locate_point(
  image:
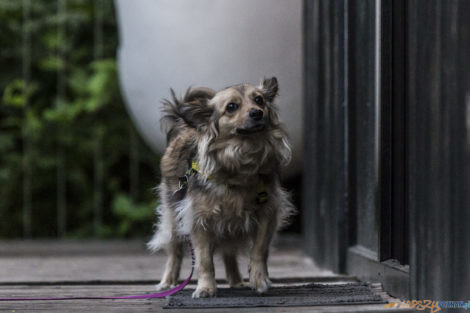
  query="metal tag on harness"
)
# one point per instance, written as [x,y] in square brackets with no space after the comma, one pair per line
[179,194]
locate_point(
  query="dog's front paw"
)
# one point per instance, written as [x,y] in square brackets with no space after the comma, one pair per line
[163,286]
[205,291]
[259,279]
[261,283]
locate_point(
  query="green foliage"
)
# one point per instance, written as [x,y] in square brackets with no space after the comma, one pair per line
[18,93]
[133,217]
[62,114]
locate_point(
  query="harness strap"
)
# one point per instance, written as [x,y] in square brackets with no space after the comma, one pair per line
[261,198]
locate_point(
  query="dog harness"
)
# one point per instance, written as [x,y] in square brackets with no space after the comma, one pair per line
[179,194]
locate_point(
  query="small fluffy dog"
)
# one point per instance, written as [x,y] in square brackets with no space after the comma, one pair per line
[220,182]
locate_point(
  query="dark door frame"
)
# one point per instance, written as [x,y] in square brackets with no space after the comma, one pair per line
[424,98]
[393,207]
[388,265]
[329,94]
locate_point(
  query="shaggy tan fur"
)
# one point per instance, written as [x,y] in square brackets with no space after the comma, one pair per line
[236,139]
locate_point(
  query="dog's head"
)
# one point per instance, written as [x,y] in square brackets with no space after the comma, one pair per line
[240,110]
[237,120]
[244,110]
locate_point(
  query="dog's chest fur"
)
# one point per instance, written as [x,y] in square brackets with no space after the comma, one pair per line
[223,209]
[221,198]
[225,203]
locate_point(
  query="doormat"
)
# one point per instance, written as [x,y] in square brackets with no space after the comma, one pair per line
[303,295]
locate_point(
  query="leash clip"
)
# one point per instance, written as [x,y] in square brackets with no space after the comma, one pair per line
[179,194]
[183,181]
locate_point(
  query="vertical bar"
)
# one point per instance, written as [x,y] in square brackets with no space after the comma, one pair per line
[61,94]
[27,176]
[340,98]
[324,104]
[363,124]
[399,210]
[393,243]
[346,166]
[98,139]
[311,197]
[351,124]
[385,126]
[378,116]
[461,169]
[133,164]
[326,93]
[412,144]
[98,30]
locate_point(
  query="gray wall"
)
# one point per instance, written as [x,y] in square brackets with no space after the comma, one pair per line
[213,43]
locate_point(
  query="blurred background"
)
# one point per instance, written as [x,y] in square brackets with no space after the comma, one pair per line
[72,162]
[81,83]
[379,88]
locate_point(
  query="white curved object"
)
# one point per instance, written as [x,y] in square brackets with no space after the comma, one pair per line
[213,43]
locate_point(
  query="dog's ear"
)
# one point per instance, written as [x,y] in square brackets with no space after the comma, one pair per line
[195,109]
[270,88]
[192,110]
[199,93]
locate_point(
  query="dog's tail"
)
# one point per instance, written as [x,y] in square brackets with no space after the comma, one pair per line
[189,111]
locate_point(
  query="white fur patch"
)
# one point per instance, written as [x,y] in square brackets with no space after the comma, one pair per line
[184,216]
[165,232]
[285,207]
[206,163]
[163,235]
[286,152]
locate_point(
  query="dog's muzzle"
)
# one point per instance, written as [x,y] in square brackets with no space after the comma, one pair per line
[251,129]
[254,124]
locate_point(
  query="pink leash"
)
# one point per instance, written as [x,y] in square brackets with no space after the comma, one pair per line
[142,296]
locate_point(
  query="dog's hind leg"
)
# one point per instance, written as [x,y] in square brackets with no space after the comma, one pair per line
[231,269]
[173,265]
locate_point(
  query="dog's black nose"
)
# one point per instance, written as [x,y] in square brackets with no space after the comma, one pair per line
[256,114]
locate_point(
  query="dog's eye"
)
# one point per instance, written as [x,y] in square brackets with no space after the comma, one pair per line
[259,100]
[231,107]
